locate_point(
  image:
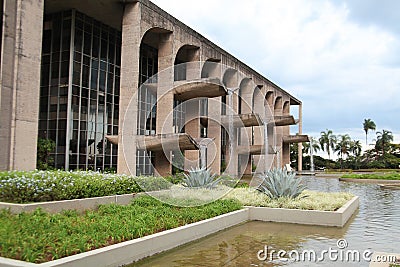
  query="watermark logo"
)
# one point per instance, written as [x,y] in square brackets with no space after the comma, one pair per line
[340,253]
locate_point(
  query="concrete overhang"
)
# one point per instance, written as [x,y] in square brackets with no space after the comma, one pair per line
[167,142]
[109,12]
[242,120]
[289,139]
[161,142]
[210,87]
[284,120]
[251,150]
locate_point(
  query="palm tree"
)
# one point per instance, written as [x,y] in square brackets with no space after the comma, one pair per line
[343,146]
[384,138]
[368,125]
[327,141]
[355,147]
[311,147]
[313,142]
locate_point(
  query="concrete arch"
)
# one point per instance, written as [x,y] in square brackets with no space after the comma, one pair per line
[230,78]
[245,95]
[258,102]
[286,108]
[278,105]
[187,66]
[211,68]
[155,35]
[269,99]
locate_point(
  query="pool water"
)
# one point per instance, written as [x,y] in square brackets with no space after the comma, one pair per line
[375,227]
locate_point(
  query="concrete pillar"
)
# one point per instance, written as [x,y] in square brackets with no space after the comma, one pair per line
[192,127]
[165,99]
[20,84]
[286,132]
[130,52]
[246,132]
[214,131]
[300,148]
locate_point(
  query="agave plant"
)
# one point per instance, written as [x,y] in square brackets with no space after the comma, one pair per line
[278,183]
[200,178]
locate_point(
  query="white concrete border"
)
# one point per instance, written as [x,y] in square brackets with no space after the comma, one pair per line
[130,251]
[73,204]
[312,217]
[134,250]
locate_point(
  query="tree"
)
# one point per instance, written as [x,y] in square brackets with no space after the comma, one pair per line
[343,146]
[355,148]
[368,125]
[44,148]
[327,141]
[315,146]
[312,147]
[383,141]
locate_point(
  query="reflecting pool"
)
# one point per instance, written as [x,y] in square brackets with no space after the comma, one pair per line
[375,227]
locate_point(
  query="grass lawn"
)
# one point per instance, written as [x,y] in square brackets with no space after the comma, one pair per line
[381,176]
[39,237]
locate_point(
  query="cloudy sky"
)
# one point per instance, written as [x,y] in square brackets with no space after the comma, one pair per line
[341,58]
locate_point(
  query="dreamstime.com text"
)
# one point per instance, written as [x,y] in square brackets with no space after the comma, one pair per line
[340,253]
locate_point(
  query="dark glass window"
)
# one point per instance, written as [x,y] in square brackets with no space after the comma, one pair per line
[88,148]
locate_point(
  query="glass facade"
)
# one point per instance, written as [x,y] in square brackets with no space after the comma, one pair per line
[147,105]
[79,102]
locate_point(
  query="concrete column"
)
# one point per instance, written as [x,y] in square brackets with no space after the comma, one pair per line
[285,147]
[165,99]
[192,127]
[20,83]
[300,148]
[214,131]
[130,52]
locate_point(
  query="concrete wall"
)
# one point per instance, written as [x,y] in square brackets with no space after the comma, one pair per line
[20,83]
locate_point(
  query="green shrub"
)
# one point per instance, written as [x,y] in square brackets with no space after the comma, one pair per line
[44,148]
[279,183]
[381,176]
[38,186]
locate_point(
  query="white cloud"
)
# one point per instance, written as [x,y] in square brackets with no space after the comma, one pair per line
[342,65]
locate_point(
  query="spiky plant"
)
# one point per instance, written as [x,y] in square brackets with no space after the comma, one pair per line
[200,178]
[279,183]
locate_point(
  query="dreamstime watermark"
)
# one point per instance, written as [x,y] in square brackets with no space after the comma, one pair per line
[340,253]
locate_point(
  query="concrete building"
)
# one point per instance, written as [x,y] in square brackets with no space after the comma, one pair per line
[123,84]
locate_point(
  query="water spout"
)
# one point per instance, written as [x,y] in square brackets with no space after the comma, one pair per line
[231,132]
[266,146]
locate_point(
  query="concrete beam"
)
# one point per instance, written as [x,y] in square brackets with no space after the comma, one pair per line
[295,139]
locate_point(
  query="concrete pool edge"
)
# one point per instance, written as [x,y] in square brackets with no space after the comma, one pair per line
[309,217]
[369,181]
[71,204]
[134,250]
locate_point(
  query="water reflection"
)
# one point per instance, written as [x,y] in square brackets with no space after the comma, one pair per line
[376,226]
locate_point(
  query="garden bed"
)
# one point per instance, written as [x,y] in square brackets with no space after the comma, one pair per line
[136,249]
[40,237]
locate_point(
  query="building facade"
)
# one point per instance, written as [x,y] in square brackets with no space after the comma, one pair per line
[121,84]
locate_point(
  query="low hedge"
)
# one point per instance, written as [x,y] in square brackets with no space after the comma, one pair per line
[379,176]
[39,186]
